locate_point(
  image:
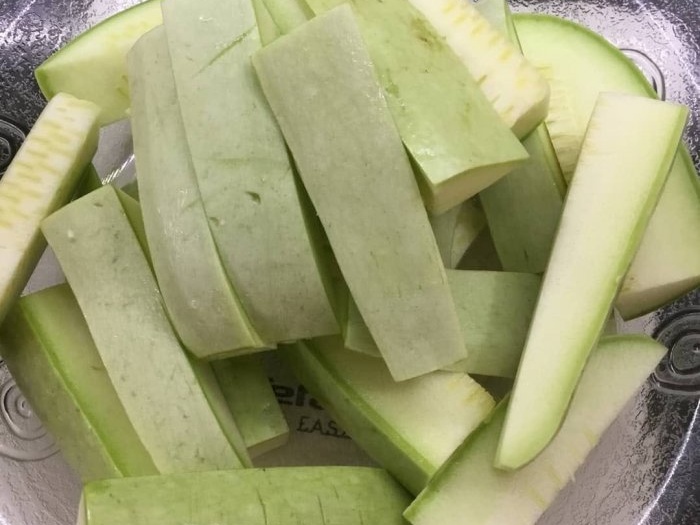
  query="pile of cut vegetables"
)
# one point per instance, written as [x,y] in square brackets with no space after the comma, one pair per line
[401,199]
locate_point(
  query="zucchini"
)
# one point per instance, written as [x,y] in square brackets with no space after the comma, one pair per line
[158,386]
[249,396]
[495,310]
[667,264]
[524,207]
[456,230]
[457,142]
[409,428]
[202,306]
[42,177]
[244,172]
[468,490]
[515,88]
[90,181]
[288,14]
[387,253]
[48,348]
[620,174]
[267,27]
[481,255]
[93,65]
[312,496]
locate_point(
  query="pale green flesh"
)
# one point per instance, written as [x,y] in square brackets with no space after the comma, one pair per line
[356,335]
[90,181]
[454,136]
[667,264]
[243,170]
[48,348]
[516,89]
[249,396]
[203,308]
[481,255]
[468,490]
[494,308]
[202,371]
[387,254]
[410,428]
[456,230]
[524,207]
[597,238]
[154,380]
[43,176]
[131,189]
[470,222]
[220,408]
[132,209]
[288,14]
[267,27]
[610,326]
[204,374]
[301,495]
[565,132]
[93,66]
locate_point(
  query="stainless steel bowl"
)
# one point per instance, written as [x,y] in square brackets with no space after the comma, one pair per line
[645,471]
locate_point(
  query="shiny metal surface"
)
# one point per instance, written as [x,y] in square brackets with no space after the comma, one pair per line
[645,471]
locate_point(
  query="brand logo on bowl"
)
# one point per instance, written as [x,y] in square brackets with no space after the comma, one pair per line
[11,138]
[22,436]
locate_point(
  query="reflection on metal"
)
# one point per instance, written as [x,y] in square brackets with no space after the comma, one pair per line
[650,70]
[22,436]
[11,138]
[679,371]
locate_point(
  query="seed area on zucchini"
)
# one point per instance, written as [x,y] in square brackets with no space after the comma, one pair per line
[42,177]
